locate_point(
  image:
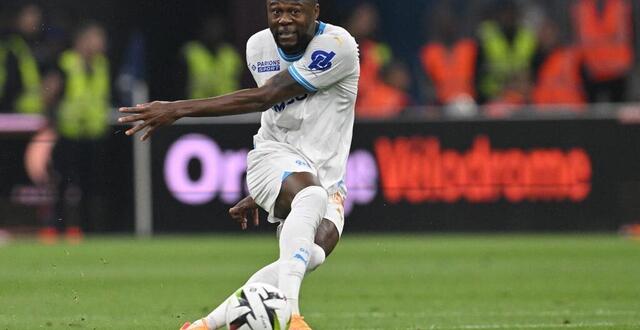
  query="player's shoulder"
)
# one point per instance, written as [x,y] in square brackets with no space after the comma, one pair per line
[337,36]
[335,30]
[260,39]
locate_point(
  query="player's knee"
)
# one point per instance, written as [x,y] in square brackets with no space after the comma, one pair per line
[317,258]
[314,198]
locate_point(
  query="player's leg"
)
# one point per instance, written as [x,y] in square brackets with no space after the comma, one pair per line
[330,229]
[297,197]
[217,318]
[307,201]
[303,203]
[326,239]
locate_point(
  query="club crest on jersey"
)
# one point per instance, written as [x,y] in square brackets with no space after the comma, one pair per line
[266,66]
[321,60]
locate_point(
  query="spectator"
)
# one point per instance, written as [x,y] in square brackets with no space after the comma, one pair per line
[212,66]
[558,78]
[391,94]
[449,60]
[20,86]
[82,117]
[605,36]
[506,56]
[374,55]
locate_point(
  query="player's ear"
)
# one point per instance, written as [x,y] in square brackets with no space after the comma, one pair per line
[316,11]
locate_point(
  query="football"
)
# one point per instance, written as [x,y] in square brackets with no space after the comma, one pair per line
[258,306]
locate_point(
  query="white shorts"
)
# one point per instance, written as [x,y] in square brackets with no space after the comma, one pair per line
[269,165]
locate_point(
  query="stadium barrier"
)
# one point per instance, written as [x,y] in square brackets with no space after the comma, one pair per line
[526,172]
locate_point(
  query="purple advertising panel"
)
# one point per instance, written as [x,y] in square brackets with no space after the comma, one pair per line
[462,176]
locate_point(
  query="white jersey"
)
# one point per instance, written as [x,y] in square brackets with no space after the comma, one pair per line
[319,124]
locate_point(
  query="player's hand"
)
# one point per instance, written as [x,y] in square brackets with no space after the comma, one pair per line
[246,208]
[150,116]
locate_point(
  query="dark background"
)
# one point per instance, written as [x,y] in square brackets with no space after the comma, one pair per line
[166,25]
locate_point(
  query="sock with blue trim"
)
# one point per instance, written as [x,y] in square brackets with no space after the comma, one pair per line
[296,241]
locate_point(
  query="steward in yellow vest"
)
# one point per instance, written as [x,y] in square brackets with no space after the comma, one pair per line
[213,67]
[82,123]
[507,51]
[83,112]
[29,101]
[20,87]
[3,73]
[212,73]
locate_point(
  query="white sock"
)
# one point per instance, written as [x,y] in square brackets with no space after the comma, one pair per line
[218,317]
[317,258]
[296,241]
[268,274]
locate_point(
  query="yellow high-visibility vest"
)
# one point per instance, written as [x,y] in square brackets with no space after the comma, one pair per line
[3,70]
[504,60]
[84,110]
[30,100]
[212,74]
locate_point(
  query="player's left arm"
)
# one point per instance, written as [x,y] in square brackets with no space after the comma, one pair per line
[151,116]
[328,60]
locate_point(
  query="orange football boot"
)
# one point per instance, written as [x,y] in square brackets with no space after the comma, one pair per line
[297,323]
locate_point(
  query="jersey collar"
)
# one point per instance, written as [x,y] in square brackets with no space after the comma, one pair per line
[292,58]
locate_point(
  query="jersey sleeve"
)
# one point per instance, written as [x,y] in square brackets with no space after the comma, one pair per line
[328,60]
[251,46]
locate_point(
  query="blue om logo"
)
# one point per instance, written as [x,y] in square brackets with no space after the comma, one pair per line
[321,60]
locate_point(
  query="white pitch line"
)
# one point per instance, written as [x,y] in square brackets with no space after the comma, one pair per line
[476,313]
[516,326]
[533,326]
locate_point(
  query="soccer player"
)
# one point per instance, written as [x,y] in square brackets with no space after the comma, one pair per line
[307,75]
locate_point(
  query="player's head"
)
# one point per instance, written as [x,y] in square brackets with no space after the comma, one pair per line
[292,22]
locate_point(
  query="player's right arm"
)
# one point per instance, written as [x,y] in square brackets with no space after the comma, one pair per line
[151,116]
[245,208]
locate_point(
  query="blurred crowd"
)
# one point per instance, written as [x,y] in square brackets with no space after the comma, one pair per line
[498,54]
[557,55]
[65,77]
[495,53]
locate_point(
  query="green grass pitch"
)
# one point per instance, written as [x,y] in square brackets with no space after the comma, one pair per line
[371,282]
